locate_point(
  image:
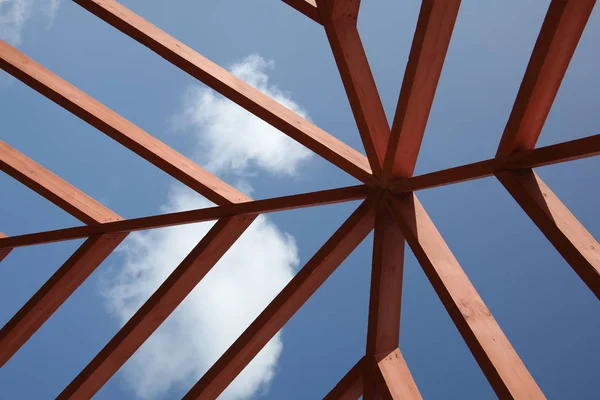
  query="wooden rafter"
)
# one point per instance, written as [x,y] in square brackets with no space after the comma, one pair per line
[395,379]
[306,7]
[425,62]
[274,204]
[557,223]
[493,352]
[235,89]
[285,304]
[4,251]
[350,387]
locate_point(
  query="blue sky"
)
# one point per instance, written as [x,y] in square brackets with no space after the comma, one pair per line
[548,314]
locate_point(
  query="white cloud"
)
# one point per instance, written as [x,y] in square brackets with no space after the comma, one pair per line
[15,13]
[244,281]
[232,139]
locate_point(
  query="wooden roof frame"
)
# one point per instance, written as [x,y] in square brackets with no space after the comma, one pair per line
[389,206]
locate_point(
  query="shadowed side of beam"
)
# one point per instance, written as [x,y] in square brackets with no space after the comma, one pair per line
[350,387]
[116,127]
[306,7]
[285,304]
[557,223]
[330,196]
[539,157]
[493,352]
[235,89]
[4,251]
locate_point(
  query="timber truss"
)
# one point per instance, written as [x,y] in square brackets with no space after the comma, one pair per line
[390,206]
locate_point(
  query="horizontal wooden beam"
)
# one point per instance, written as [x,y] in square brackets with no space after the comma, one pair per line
[396,381]
[323,197]
[493,352]
[425,62]
[285,304]
[116,127]
[554,48]
[157,308]
[55,292]
[52,187]
[557,223]
[358,81]
[4,251]
[306,7]
[350,387]
[539,157]
[238,91]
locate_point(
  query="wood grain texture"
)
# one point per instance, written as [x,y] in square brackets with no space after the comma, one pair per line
[295,201]
[425,62]
[157,308]
[554,48]
[493,352]
[238,91]
[285,304]
[557,223]
[350,387]
[397,382]
[116,127]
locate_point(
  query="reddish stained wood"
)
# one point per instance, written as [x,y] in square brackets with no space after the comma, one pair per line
[493,352]
[396,381]
[158,307]
[559,225]
[425,62]
[350,387]
[323,197]
[55,292]
[4,251]
[238,91]
[359,84]
[52,187]
[346,10]
[539,157]
[554,48]
[116,127]
[306,7]
[285,304]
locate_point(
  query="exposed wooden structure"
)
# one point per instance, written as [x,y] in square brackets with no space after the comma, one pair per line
[389,206]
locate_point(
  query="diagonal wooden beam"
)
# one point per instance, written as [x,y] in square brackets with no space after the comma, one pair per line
[350,387]
[395,380]
[554,48]
[306,7]
[557,223]
[158,307]
[349,54]
[538,157]
[4,251]
[285,304]
[425,62]
[323,197]
[493,352]
[238,91]
[116,127]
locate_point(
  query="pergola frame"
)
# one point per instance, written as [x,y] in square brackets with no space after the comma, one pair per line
[389,206]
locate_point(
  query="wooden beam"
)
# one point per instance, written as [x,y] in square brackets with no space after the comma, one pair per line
[425,62]
[350,387]
[158,307]
[116,127]
[385,294]
[238,91]
[557,223]
[555,46]
[306,7]
[539,157]
[52,187]
[4,251]
[285,304]
[358,80]
[493,352]
[55,292]
[323,197]
[338,10]
[396,381]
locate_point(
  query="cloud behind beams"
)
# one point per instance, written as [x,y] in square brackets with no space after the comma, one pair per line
[227,140]
[15,13]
